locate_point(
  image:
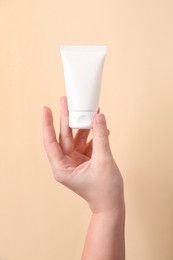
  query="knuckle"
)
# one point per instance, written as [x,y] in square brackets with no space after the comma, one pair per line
[57,177]
[60,177]
[104,133]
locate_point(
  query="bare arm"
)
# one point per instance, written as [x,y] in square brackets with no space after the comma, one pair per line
[89,169]
[105,238]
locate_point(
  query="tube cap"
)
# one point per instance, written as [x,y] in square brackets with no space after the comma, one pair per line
[81,119]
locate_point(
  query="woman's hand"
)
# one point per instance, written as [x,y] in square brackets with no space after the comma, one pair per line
[87,168]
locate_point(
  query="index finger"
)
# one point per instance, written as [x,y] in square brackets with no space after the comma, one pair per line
[52,147]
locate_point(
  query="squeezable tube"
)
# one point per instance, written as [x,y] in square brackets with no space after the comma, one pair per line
[83,67]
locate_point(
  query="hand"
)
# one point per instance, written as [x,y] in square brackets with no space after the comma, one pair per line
[87,168]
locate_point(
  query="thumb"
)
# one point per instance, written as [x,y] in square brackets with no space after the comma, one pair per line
[100,136]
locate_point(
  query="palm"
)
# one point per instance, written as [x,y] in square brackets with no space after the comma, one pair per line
[74,160]
[69,152]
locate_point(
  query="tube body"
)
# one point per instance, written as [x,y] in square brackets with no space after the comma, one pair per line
[83,67]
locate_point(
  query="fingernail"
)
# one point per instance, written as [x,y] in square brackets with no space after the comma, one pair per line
[100,119]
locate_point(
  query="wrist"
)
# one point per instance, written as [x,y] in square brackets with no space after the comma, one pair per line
[118,211]
[110,205]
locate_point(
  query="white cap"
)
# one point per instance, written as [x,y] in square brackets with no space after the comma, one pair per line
[81,119]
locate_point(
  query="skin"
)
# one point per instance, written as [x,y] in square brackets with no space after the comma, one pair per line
[89,169]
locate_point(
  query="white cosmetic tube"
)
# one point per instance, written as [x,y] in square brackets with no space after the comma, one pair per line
[83,67]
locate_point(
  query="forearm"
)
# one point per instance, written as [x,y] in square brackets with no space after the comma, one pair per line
[105,238]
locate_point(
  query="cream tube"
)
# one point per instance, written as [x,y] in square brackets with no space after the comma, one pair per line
[83,66]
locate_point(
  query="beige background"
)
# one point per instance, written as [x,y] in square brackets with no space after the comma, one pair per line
[39,218]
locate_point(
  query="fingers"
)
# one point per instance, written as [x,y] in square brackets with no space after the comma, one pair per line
[81,140]
[88,150]
[52,147]
[66,135]
[101,146]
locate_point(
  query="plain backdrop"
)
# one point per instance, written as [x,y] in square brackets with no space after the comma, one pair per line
[39,218]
